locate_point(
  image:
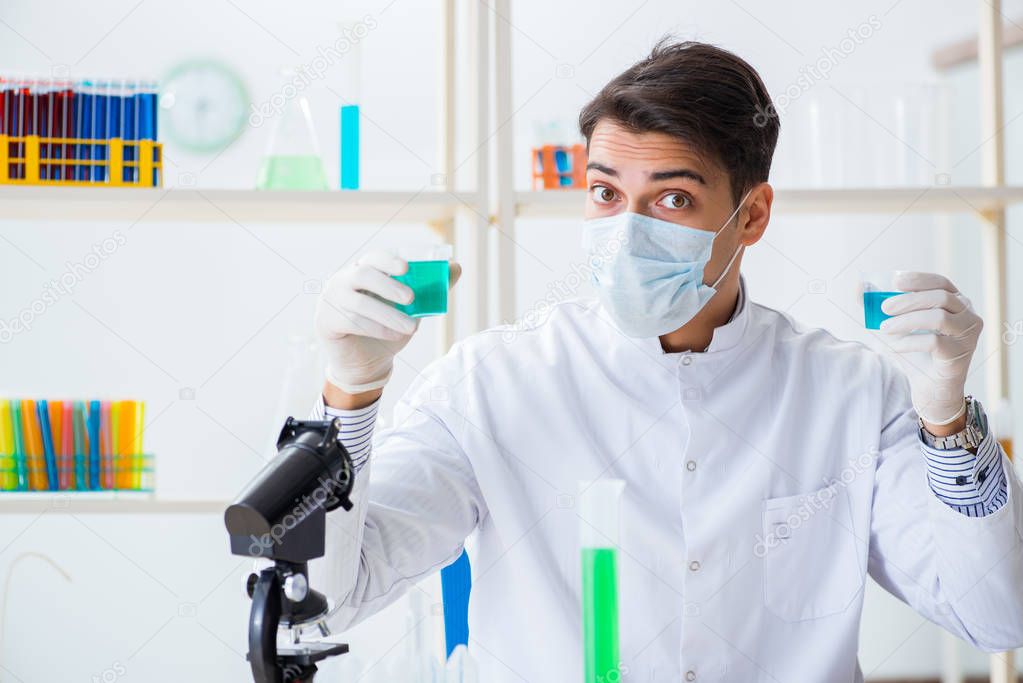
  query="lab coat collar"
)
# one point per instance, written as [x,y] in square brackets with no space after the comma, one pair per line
[728,335]
[724,340]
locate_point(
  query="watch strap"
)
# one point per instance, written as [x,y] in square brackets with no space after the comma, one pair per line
[968,438]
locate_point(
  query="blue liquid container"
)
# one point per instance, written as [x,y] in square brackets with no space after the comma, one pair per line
[350,147]
[873,316]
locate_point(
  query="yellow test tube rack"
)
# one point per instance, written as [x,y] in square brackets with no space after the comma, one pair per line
[37,163]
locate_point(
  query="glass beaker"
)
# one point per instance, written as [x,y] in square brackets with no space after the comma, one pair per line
[876,287]
[292,160]
[429,269]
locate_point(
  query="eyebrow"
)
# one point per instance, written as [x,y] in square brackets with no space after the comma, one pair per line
[657,175]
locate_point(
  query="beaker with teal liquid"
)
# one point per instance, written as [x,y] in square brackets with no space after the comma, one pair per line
[599,521]
[876,287]
[429,270]
[292,159]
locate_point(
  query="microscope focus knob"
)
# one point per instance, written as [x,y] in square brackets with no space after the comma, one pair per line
[296,587]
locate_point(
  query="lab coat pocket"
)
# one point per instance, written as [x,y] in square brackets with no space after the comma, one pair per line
[810,553]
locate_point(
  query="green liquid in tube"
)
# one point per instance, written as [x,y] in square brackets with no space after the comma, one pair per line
[429,282]
[600,615]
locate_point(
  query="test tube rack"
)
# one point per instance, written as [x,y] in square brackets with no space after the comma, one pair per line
[35,160]
[559,167]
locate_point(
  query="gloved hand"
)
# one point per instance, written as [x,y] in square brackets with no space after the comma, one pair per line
[937,357]
[358,328]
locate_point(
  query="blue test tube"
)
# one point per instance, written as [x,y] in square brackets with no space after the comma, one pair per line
[350,147]
[129,129]
[147,116]
[100,129]
[351,89]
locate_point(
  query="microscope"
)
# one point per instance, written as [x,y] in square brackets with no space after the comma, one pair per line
[281,516]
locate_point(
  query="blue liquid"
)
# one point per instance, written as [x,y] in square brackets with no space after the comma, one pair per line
[872,314]
[350,147]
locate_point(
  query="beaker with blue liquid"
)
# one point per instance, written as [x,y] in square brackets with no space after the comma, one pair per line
[876,287]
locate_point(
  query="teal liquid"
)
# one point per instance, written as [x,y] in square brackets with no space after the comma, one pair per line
[291,172]
[429,283]
[600,615]
[350,147]
[872,314]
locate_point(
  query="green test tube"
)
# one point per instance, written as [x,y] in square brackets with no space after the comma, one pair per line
[599,522]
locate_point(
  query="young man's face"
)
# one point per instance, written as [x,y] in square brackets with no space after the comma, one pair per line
[656,175]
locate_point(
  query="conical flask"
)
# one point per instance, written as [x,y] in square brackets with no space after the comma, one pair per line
[292,160]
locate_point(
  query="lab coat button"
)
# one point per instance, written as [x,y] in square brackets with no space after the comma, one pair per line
[691,465]
[690,675]
[694,566]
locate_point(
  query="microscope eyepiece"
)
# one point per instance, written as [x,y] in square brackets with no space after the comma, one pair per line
[311,472]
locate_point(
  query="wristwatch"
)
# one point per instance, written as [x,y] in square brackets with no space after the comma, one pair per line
[969,438]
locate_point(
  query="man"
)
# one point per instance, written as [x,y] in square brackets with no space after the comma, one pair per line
[768,467]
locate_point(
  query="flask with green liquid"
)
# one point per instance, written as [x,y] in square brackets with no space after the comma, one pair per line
[292,159]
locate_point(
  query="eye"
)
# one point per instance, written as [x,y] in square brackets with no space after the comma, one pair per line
[675,200]
[602,194]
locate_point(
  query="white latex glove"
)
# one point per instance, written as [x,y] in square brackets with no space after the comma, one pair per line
[934,332]
[360,332]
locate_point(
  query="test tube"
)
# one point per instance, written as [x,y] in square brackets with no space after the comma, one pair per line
[48,121]
[149,123]
[23,125]
[86,119]
[351,99]
[600,513]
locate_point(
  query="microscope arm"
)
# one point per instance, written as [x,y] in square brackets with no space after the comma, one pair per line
[263,621]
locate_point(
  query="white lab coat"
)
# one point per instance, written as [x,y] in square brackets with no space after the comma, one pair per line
[727,571]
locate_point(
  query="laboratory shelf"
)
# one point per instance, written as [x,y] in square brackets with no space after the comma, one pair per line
[427,206]
[230,206]
[104,502]
[930,199]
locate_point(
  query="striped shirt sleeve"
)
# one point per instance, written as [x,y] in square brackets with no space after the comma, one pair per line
[973,484]
[356,428]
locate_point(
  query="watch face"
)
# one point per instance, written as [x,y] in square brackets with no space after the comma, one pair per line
[204,105]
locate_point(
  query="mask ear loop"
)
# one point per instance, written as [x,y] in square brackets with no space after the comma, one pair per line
[738,249]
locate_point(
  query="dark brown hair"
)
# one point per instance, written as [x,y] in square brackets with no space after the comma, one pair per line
[701,94]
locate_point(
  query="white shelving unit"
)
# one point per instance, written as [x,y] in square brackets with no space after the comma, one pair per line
[220,206]
[102,502]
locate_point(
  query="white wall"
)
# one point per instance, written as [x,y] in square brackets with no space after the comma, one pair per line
[212,307]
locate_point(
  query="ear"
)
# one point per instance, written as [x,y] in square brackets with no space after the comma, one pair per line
[757,213]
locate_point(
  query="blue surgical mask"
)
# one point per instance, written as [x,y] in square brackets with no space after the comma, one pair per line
[648,273]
